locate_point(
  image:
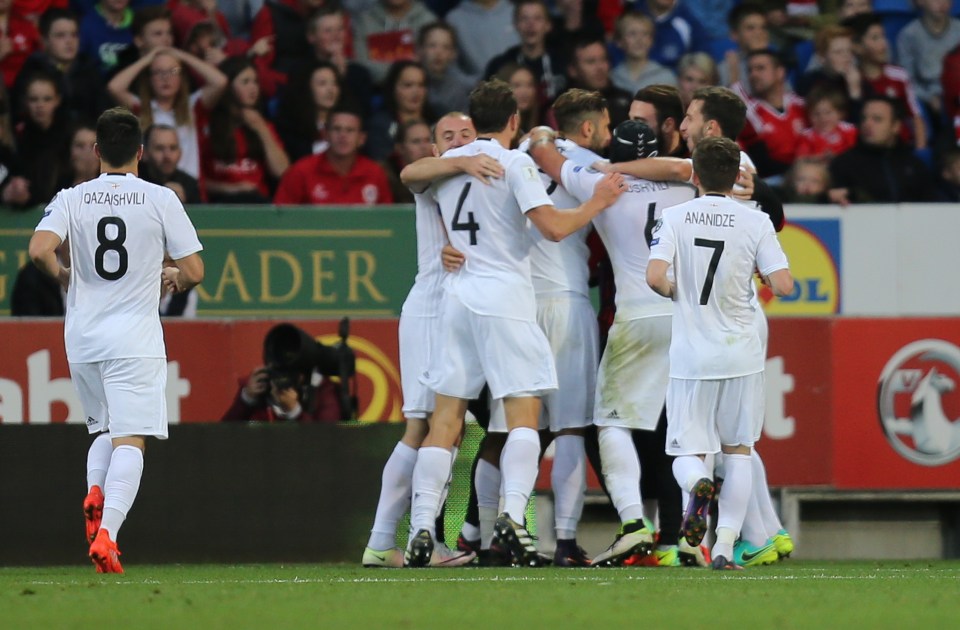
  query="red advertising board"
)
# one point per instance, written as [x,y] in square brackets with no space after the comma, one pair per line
[796,446]
[206,360]
[851,403]
[896,403]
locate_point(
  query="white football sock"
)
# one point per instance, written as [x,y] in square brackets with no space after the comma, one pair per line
[621,471]
[470,531]
[569,481]
[446,487]
[98,460]
[519,464]
[771,522]
[724,545]
[395,488]
[487,480]
[430,474]
[120,487]
[734,496]
[752,530]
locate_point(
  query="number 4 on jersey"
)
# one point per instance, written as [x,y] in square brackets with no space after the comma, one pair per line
[471,226]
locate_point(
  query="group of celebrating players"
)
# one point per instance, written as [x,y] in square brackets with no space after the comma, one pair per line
[501,300]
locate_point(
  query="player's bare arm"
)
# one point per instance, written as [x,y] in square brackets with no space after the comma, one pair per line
[657,278]
[781,281]
[659,169]
[43,253]
[186,274]
[426,170]
[556,225]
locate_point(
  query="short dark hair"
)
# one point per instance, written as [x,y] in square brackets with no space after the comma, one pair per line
[832,95]
[155,127]
[723,106]
[52,15]
[716,162]
[118,136]
[861,23]
[347,108]
[142,17]
[491,105]
[767,52]
[573,107]
[438,25]
[740,12]
[665,99]
[895,107]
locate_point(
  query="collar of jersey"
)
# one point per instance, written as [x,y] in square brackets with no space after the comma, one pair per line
[116,175]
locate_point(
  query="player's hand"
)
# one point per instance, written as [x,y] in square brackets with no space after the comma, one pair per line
[483,167]
[840,196]
[603,166]
[257,384]
[452,258]
[745,185]
[609,188]
[542,136]
[171,280]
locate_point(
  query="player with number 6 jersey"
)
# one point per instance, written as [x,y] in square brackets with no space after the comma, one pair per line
[119,229]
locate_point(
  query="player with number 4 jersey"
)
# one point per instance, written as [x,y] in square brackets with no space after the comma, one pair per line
[119,229]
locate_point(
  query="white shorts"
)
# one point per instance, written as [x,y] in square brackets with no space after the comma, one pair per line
[570,325]
[634,370]
[126,397]
[703,415]
[512,356]
[417,336]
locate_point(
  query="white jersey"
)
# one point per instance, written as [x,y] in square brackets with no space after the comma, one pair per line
[486,222]
[561,267]
[118,227]
[714,244]
[424,297]
[625,229]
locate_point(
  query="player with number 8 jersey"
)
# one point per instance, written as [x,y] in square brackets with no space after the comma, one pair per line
[119,229]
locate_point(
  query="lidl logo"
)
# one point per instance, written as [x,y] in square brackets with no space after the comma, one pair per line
[813,249]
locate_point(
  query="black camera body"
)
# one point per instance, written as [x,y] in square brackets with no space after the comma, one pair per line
[291,355]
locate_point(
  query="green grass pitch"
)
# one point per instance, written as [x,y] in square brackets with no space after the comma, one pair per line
[792,594]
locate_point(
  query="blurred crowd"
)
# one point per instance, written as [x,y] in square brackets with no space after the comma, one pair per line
[325,101]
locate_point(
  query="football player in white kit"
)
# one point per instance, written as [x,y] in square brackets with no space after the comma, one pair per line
[119,228]
[715,395]
[419,321]
[560,277]
[488,325]
[718,112]
[632,380]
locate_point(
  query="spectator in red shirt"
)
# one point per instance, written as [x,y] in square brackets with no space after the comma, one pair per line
[340,175]
[240,151]
[775,115]
[18,39]
[881,78]
[829,134]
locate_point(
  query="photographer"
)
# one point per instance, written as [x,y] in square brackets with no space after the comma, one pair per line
[272,396]
[294,383]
